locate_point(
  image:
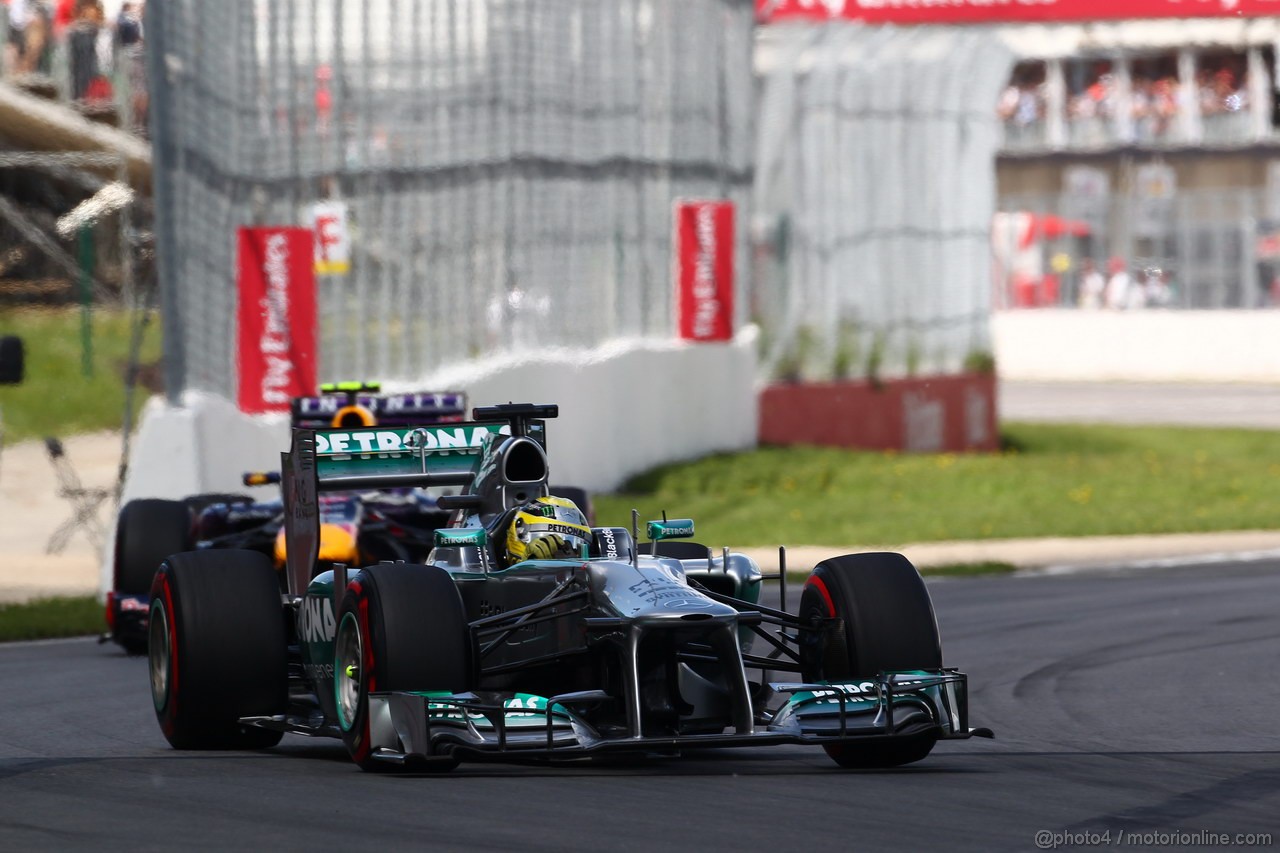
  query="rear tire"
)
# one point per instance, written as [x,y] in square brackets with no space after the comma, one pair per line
[147,531]
[403,627]
[889,626]
[217,649]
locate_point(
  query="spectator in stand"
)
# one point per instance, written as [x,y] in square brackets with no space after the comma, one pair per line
[1156,286]
[129,50]
[40,39]
[82,50]
[1136,295]
[64,15]
[1021,106]
[1090,104]
[1117,295]
[15,50]
[1142,107]
[129,27]
[1166,104]
[1092,285]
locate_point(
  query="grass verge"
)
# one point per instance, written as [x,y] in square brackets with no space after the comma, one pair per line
[57,398]
[969,570]
[1053,480]
[45,618]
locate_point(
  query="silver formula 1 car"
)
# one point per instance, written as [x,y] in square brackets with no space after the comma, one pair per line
[658,647]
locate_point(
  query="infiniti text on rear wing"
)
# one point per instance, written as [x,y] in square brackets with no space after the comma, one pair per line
[389,410]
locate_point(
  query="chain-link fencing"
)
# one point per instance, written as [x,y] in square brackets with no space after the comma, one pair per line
[87,60]
[1193,248]
[874,198]
[508,166]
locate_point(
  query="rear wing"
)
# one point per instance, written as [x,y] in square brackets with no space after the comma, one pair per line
[387,410]
[370,458]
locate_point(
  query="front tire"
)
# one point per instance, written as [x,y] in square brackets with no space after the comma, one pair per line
[217,649]
[889,626]
[148,531]
[401,627]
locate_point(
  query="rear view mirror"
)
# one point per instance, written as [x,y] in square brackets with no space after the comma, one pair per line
[261,478]
[676,528]
[12,357]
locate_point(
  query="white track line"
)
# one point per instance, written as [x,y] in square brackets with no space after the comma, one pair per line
[49,641]
[1155,563]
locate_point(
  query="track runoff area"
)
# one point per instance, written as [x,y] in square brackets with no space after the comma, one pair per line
[1135,706]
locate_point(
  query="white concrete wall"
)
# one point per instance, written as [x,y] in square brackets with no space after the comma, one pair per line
[624,407]
[1137,346]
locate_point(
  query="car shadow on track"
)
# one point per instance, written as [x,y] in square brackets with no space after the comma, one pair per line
[722,763]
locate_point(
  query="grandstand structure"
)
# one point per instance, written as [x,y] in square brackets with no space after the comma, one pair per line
[1135,136]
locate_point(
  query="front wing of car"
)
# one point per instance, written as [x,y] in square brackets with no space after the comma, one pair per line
[411,726]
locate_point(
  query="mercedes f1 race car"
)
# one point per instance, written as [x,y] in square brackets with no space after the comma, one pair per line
[355,527]
[526,634]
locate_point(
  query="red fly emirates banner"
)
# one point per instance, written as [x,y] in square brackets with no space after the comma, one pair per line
[992,11]
[276,348]
[704,270]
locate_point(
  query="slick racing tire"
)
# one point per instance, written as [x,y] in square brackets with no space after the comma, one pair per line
[889,626]
[147,531]
[401,627]
[217,647]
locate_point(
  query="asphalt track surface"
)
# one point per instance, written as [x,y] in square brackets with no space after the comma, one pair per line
[1138,702]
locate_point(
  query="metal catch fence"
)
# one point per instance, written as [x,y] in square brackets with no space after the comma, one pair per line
[508,167]
[873,200]
[1195,249]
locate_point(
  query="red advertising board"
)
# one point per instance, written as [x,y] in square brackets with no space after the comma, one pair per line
[991,11]
[276,344]
[704,270]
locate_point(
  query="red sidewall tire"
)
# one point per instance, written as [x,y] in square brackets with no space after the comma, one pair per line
[888,625]
[220,650]
[413,636]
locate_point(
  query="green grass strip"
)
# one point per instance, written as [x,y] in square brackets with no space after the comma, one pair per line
[969,570]
[56,398]
[1052,480]
[51,617]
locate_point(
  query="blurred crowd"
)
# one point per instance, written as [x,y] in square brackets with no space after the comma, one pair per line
[95,53]
[1119,290]
[1095,103]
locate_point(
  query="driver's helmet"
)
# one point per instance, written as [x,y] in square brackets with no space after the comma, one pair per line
[548,528]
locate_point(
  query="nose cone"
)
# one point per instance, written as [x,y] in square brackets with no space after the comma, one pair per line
[337,544]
